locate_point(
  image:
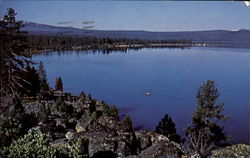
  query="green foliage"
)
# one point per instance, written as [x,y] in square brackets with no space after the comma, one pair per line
[76,149]
[128,124]
[43,113]
[33,144]
[61,42]
[59,84]
[64,107]
[205,133]
[42,78]
[94,115]
[167,127]
[9,130]
[83,97]
[17,112]
[89,97]
[92,106]
[208,113]
[112,111]
[67,108]
[59,102]
[79,149]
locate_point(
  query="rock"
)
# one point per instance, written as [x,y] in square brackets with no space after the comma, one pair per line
[84,124]
[122,144]
[111,123]
[58,142]
[132,156]
[72,120]
[98,144]
[58,135]
[70,135]
[144,139]
[32,107]
[233,151]
[161,149]
[60,122]
[153,145]
[127,144]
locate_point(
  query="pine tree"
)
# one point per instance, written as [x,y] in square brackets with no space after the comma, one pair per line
[208,113]
[83,97]
[205,132]
[13,54]
[128,123]
[167,127]
[59,84]
[42,77]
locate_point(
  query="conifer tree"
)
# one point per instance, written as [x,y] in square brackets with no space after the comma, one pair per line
[42,77]
[59,84]
[208,113]
[13,54]
[128,123]
[205,131]
[167,127]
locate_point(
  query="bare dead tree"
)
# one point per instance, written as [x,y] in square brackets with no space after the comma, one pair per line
[199,143]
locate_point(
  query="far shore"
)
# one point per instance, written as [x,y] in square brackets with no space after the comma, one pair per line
[124,47]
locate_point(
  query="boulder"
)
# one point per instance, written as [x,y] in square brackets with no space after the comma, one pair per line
[99,143]
[161,149]
[127,144]
[70,135]
[111,123]
[144,139]
[32,107]
[84,124]
[60,122]
[58,142]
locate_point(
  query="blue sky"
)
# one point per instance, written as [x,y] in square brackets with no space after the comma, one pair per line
[135,15]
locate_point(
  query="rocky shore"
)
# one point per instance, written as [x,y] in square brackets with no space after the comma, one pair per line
[69,119]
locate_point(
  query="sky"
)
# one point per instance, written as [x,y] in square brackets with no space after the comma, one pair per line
[134,15]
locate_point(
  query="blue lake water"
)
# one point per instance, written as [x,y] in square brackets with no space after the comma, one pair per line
[172,76]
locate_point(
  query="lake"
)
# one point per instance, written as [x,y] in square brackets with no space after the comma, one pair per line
[171,76]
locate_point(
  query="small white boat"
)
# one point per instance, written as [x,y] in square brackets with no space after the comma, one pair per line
[147,93]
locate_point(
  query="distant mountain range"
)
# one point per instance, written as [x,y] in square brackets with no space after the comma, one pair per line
[239,38]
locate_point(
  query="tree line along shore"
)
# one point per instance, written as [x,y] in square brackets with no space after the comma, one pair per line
[40,43]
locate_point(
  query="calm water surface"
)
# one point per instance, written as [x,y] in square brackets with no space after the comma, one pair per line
[172,76]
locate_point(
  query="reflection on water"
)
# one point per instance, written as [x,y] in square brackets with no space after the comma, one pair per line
[172,76]
[106,51]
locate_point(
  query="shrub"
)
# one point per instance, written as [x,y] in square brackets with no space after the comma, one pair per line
[76,149]
[110,111]
[59,102]
[9,130]
[83,97]
[43,113]
[79,149]
[92,107]
[128,124]
[33,144]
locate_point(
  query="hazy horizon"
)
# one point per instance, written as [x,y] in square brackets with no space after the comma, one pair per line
[153,16]
[137,30]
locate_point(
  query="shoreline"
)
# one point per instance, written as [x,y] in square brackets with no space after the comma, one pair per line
[125,47]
